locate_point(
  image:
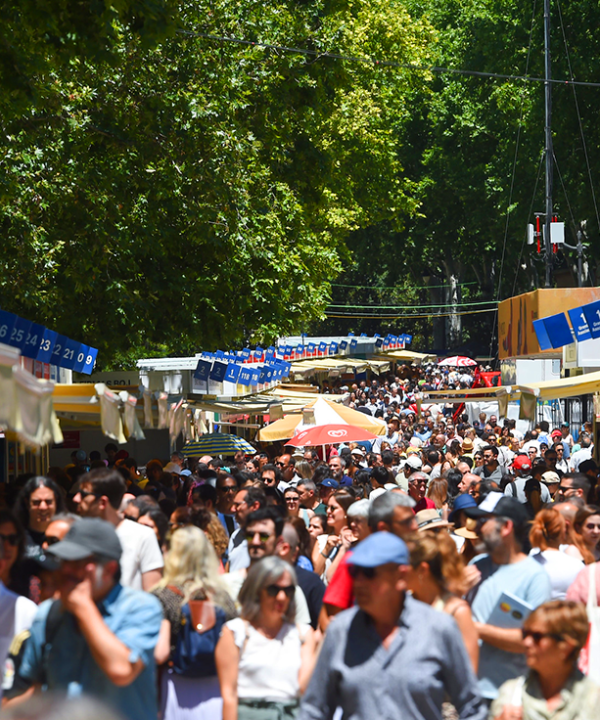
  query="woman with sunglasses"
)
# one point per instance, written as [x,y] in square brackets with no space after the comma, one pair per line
[339,534]
[264,660]
[191,572]
[553,636]
[292,501]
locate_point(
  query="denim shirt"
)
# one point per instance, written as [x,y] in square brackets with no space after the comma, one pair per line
[134,617]
[425,662]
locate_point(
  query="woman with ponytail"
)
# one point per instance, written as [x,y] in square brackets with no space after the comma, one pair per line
[548,532]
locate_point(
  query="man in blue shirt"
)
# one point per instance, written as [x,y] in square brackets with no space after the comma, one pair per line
[503,526]
[99,638]
[391,656]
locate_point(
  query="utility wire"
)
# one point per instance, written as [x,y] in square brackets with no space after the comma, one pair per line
[406,317]
[585,152]
[384,63]
[413,307]
[392,287]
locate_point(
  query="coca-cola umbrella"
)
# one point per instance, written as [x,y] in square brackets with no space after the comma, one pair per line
[331,434]
[457,361]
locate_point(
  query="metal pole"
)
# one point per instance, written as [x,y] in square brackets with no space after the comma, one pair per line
[548,143]
[579,259]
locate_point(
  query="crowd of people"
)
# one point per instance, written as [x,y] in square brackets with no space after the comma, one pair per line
[447,570]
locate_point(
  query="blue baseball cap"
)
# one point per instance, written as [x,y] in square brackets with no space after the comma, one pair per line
[380,548]
[460,503]
[330,483]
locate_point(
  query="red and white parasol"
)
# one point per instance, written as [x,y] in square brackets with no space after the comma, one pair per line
[330,435]
[457,361]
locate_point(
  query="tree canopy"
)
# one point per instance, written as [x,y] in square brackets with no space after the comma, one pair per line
[460,149]
[174,176]
[195,193]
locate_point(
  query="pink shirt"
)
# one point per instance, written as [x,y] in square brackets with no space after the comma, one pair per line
[581,585]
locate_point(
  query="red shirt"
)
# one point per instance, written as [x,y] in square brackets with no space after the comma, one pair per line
[340,591]
[424,504]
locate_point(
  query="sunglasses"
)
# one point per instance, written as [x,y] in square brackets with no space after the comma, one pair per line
[263,537]
[228,489]
[538,636]
[87,494]
[51,539]
[274,590]
[292,498]
[367,572]
[38,503]
[12,539]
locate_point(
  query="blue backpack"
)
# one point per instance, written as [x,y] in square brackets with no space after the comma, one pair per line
[199,633]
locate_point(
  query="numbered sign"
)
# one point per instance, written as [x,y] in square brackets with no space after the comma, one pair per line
[47,343]
[245,376]
[80,357]
[70,352]
[34,336]
[592,315]
[90,361]
[232,373]
[202,370]
[255,374]
[7,323]
[579,323]
[218,371]
[19,333]
[59,345]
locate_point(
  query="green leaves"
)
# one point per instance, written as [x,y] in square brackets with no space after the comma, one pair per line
[195,194]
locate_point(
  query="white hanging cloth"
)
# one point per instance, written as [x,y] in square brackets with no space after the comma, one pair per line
[110,416]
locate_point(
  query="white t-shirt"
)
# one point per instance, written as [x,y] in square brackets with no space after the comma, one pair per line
[141,553]
[237,551]
[562,570]
[578,457]
[268,668]
[235,580]
[16,615]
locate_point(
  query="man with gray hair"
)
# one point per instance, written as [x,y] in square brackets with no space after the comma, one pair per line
[391,512]
[309,582]
[309,498]
[417,487]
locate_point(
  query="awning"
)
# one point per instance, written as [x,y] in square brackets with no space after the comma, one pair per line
[475,395]
[545,390]
[338,366]
[410,356]
[323,411]
[261,403]
[563,388]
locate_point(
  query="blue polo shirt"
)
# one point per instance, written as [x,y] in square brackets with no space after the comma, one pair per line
[134,617]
